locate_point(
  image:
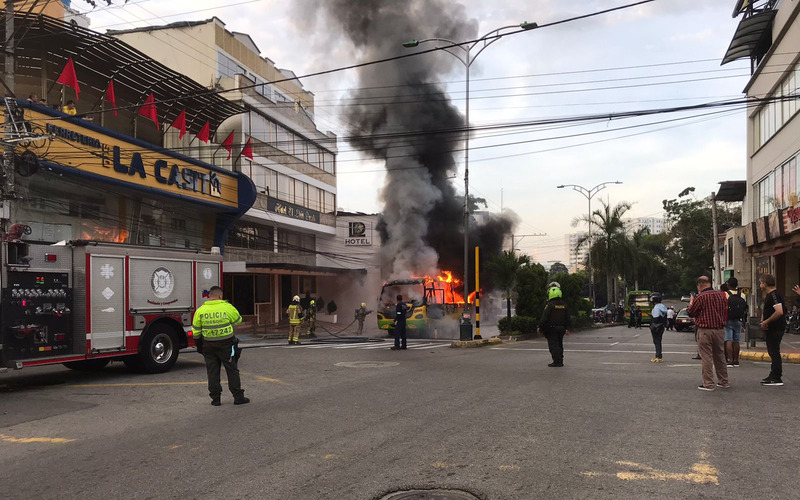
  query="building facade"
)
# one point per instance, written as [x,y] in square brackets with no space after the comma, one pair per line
[274,251]
[769,35]
[577,255]
[656,225]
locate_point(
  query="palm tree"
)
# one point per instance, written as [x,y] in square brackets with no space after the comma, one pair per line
[609,246]
[504,269]
[644,251]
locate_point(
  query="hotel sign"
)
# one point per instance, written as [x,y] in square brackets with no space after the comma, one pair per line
[291,210]
[86,148]
[357,235]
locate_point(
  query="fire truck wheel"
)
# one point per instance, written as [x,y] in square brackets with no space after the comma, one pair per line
[88,365]
[158,350]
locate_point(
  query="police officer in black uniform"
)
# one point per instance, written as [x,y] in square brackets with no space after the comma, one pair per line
[400,324]
[554,324]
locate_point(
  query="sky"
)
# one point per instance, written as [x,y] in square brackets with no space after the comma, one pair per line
[622,61]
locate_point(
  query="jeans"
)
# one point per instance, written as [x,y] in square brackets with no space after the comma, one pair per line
[217,354]
[658,332]
[555,342]
[733,330]
[400,334]
[774,349]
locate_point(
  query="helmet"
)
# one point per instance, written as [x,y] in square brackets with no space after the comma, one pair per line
[656,298]
[296,298]
[312,303]
[553,293]
[554,284]
[363,304]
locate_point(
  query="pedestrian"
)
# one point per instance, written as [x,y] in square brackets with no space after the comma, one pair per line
[657,325]
[34,98]
[737,315]
[632,318]
[709,308]
[670,318]
[311,317]
[361,315]
[213,335]
[400,312]
[70,108]
[774,325]
[555,324]
[638,318]
[294,312]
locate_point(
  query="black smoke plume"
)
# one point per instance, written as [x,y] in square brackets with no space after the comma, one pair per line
[422,220]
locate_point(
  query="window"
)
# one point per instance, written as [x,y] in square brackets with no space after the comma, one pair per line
[251,236]
[330,202]
[730,251]
[283,187]
[259,176]
[313,198]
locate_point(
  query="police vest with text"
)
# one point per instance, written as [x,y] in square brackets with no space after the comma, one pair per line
[215,319]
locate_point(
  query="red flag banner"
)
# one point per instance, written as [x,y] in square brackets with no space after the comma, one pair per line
[180,124]
[204,133]
[248,149]
[228,145]
[69,78]
[110,97]
[148,109]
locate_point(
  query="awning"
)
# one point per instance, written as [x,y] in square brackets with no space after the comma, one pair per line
[98,58]
[752,38]
[731,191]
[285,268]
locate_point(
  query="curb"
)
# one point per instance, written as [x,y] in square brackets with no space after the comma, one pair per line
[476,343]
[763,356]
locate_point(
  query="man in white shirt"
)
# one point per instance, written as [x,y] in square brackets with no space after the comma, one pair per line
[670,318]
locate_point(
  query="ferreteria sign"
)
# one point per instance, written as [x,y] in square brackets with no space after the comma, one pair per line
[100,152]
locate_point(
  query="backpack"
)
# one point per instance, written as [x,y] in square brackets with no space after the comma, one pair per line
[737,307]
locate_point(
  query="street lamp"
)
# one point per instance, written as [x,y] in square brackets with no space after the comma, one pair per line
[589,194]
[466,58]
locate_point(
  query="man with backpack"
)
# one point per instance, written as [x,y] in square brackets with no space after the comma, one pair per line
[737,315]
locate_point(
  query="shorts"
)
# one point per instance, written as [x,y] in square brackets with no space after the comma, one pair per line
[733,330]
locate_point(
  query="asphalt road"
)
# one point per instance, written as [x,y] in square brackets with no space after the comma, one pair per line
[358,421]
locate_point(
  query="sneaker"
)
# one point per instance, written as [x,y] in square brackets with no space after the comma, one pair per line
[766,380]
[216,402]
[659,360]
[773,382]
[704,388]
[555,365]
[736,364]
[731,365]
[697,357]
[241,401]
[724,386]
[654,360]
[395,348]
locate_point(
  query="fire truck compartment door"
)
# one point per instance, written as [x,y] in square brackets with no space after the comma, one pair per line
[160,285]
[207,276]
[107,302]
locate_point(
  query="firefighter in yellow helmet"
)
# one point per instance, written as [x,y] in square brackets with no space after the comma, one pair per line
[311,317]
[212,329]
[361,314]
[294,312]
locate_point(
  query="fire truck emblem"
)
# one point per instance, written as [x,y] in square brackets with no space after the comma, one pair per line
[163,282]
[207,273]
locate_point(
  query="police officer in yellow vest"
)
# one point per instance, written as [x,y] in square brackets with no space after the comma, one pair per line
[294,312]
[213,334]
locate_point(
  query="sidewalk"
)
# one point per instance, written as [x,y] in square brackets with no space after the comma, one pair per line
[790,352]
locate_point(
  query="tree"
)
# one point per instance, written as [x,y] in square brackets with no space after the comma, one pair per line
[609,245]
[504,269]
[558,268]
[645,258]
[531,290]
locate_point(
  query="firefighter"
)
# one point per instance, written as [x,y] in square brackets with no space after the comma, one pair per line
[213,335]
[554,324]
[361,315]
[311,317]
[294,312]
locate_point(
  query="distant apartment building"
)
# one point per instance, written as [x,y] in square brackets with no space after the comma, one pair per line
[656,225]
[272,254]
[577,256]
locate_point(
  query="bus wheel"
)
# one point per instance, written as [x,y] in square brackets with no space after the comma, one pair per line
[88,365]
[158,349]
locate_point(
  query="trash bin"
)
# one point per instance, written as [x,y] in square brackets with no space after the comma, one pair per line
[465,327]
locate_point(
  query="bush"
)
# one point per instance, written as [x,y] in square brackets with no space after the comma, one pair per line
[518,325]
[331,307]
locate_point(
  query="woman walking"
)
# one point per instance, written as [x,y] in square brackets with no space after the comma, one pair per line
[657,324]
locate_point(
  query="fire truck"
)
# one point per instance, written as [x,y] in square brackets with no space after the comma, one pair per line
[87,303]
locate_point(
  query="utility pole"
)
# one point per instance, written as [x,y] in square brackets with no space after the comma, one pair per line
[717,270]
[514,240]
[8,187]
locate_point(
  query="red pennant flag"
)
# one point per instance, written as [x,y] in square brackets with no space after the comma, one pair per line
[110,97]
[248,150]
[69,78]
[204,133]
[228,145]
[180,124]
[148,109]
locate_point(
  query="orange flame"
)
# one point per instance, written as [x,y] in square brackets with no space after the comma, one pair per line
[449,286]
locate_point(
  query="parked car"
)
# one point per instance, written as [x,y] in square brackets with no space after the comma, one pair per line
[684,322]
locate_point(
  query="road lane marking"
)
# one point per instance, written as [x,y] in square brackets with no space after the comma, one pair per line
[139,384]
[612,363]
[702,473]
[9,439]
[439,465]
[615,343]
[610,351]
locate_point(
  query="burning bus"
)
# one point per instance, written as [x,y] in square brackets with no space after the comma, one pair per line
[431,300]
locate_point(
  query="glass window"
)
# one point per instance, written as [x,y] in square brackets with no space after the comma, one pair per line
[263,282]
[330,202]
[786,111]
[283,187]
[283,141]
[258,126]
[251,236]
[313,198]
[313,155]
[259,176]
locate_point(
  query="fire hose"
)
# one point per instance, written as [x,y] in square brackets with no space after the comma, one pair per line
[354,340]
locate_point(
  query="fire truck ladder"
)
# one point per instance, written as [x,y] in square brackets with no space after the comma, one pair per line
[19,128]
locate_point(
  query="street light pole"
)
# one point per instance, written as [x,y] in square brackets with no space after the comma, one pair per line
[466,58]
[589,194]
